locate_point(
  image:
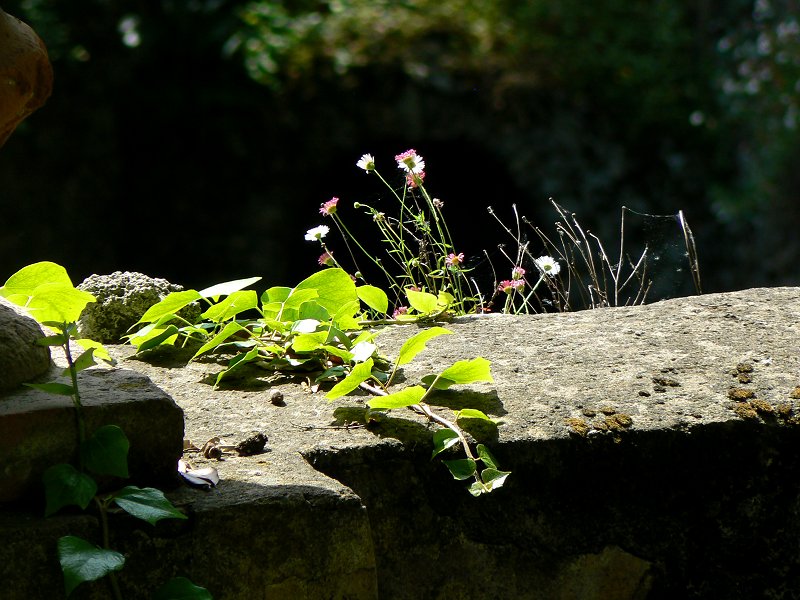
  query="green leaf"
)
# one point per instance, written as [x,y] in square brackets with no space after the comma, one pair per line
[488,459]
[344,318]
[171,304]
[373,297]
[308,342]
[277,294]
[472,413]
[58,302]
[405,397]
[462,468]
[305,326]
[235,303]
[443,439]
[493,478]
[362,351]
[147,504]
[297,298]
[64,486]
[62,389]
[106,451]
[236,363]
[84,361]
[422,302]
[416,343]
[227,288]
[28,278]
[335,290]
[227,331]
[360,373]
[52,340]
[82,561]
[180,588]
[443,300]
[155,337]
[99,350]
[463,371]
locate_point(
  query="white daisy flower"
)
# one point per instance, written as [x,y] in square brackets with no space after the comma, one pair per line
[548,265]
[366,162]
[317,233]
[410,162]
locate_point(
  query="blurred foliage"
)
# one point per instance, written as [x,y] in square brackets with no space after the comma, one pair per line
[202,111]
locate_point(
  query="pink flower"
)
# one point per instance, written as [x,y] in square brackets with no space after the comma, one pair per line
[328,208]
[410,162]
[326,259]
[400,310]
[517,273]
[509,285]
[454,260]
[414,180]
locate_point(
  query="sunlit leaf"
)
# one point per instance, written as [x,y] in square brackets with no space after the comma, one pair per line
[64,486]
[462,468]
[416,343]
[422,302]
[52,340]
[305,326]
[84,361]
[232,305]
[82,561]
[237,363]
[227,331]
[27,279]
[442,440]
[106,451]
[62,389]
[180,588]
[463,371]
[170,305]
[58,302]
[405,397]
[488,459]
[335,289]
[275,295]
[308,342]
[373,297]
[360,373]
[227,288]
[155,337]
[363,350]
[493,478]
[472,413]
[148,504]
[99,350]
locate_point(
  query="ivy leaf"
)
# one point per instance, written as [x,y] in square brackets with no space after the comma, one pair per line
[236,363]
[308,342]
[486,457]
[82,561]
[148,504]
[335,290]
[171,304]
[106,451]
[227,288]
[360,373]
[227,331]
[84,361]
[373,297]
[443,439]
[64,486]
[493,478]
[416,343]
[62,389]
[58,302]
[232,305]
[52,340]
[463,371]
[28,278]
[461,469]
[180,588]
[472,413]
[99,350]
[154,337]
[422,302]
[405,397]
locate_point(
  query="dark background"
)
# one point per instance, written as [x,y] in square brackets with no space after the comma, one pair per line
[195,139]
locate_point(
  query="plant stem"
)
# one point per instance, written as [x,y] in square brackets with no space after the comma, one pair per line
[76,396]
[112,577]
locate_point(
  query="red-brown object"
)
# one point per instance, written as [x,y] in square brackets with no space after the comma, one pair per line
[26,76]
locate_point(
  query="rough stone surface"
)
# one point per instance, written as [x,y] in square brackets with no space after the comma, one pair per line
[37,429]
[26,77]
[21,359]
[122,299]
[639,467]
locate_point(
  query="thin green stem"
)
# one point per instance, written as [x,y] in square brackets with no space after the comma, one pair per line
[102,507]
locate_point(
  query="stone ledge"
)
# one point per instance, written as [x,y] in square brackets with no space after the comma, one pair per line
[681,494]
[37,429]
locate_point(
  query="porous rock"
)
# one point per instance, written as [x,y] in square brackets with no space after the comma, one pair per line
[21,359]
[26,76]
[122,298]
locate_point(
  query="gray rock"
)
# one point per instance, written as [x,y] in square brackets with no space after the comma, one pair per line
[21,359]
[122,299]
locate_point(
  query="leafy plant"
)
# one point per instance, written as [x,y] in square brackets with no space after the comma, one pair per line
[317,329]
[47,293]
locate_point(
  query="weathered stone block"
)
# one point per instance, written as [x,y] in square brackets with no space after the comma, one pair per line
[38,430]
[21,359]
